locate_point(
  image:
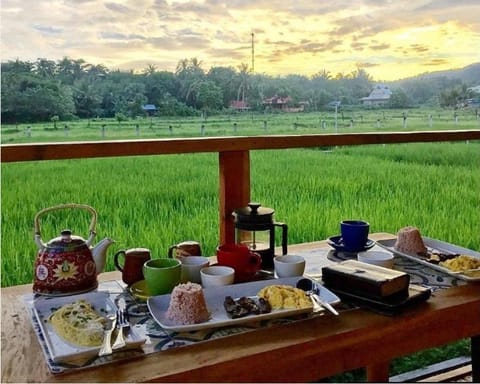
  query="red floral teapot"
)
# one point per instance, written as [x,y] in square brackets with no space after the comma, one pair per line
[68,264]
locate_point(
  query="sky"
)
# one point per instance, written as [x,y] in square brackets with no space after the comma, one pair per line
[390,39]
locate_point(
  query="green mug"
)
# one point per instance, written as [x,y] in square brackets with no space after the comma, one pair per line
[162,275]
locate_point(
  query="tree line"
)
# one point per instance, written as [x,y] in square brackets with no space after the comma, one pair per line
[47,90]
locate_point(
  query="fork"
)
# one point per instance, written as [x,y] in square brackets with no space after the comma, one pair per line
[106,349]
[465,271]
[122,324]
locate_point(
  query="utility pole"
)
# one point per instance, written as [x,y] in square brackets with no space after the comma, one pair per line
[253,53]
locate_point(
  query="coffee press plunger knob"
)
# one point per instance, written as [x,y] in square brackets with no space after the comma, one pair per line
[254,207]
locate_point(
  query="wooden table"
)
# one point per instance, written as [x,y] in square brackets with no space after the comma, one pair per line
[305,350]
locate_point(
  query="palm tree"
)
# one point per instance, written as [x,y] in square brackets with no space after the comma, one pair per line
[190,75]
[243,77]
[323,75]
[70,70]
[45,68]
[96,71]
[150,70]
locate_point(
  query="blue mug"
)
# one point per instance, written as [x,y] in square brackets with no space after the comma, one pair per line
[354,234]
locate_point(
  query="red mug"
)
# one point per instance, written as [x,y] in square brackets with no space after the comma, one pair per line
[133,260]
[238,256]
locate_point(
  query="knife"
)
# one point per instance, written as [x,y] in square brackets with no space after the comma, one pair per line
[325,304]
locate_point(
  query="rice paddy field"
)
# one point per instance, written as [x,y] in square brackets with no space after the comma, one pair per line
[157,201]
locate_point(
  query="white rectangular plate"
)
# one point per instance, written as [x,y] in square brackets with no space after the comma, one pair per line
[215,296]
[63,351]
[436,245]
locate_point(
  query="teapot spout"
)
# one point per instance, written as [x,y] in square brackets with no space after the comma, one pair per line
[99,253]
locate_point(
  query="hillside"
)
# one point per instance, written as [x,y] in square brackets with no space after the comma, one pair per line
[469,75]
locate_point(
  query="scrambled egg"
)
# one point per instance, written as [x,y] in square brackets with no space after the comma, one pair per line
[78,323]
[285,297]
[461,263]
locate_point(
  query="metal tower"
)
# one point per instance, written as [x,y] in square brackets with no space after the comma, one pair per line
[253,53]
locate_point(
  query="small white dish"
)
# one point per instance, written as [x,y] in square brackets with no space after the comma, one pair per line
[380,258]
[289,265]
[59,349]
[217,275]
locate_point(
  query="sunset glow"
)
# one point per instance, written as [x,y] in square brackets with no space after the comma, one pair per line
[389,39]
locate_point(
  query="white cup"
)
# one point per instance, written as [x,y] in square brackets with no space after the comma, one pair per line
[217,275]
[382,259]
[191,266]
[289,265]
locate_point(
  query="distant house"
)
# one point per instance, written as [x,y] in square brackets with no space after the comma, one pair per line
[239,105]
[334,104]
[277,102]
[380,95]
[473,102]
[149,108]
[284,104]
[475,89]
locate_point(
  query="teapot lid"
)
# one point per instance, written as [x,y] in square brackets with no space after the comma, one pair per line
[254,214]
[66,240]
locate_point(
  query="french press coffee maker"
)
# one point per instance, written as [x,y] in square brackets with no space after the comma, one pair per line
[255,227]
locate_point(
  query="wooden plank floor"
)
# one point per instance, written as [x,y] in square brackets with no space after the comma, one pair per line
[459,375]
[456,370]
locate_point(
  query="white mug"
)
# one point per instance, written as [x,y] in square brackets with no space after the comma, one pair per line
[191,266]
[289,265]
[217,275]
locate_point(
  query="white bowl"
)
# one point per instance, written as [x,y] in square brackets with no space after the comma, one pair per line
[217,275]
[289,265]
[382,259]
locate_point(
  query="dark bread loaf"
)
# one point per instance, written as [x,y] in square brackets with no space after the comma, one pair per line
[366,280]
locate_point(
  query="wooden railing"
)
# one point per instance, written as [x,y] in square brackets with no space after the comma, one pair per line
[234,155]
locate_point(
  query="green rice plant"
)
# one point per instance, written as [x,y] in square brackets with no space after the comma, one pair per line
[327,187]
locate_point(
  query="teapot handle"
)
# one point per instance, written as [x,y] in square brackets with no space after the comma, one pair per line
[91,229]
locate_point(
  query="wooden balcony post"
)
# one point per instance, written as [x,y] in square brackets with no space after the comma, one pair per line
[234,181]
[378,372]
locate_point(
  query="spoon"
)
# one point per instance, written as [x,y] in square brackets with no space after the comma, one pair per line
[307,285]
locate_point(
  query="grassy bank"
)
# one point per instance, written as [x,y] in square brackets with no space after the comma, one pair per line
[345,121]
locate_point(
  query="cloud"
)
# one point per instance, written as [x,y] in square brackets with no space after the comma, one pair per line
[434,62]
[379,46]
[225,52]
[120,36]
[419,48]
[289,36]
[116,7]
[47,29]
[366,65]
